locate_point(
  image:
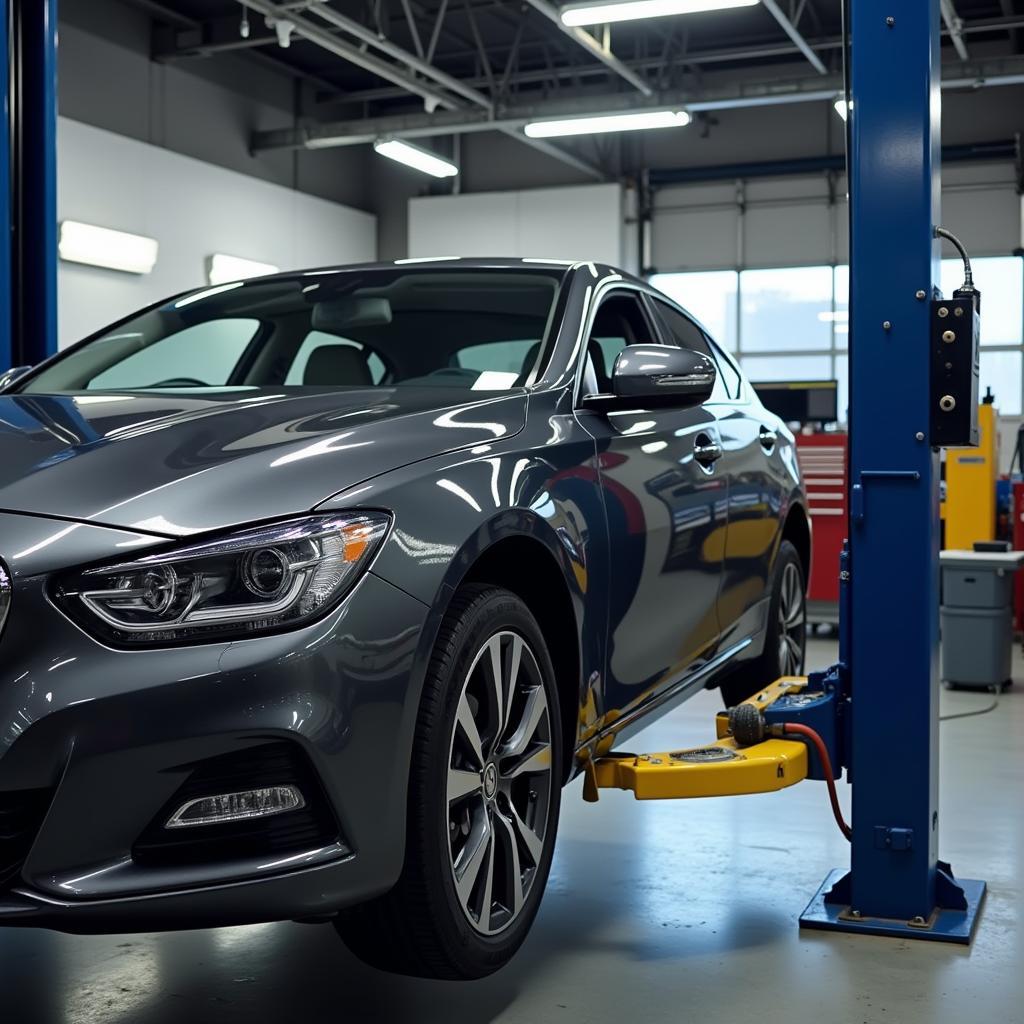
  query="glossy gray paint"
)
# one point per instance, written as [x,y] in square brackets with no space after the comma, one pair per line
[665,563]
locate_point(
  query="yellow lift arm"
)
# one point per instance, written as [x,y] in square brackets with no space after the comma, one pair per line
[723,769]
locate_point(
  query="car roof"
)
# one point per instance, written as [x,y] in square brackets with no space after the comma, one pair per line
[461,263]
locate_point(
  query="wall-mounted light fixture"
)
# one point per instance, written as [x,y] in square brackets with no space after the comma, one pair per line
[104,247]
[222,268]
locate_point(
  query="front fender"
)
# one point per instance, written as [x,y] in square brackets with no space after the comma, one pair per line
[449,511]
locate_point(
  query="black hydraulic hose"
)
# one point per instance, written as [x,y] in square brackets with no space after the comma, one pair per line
[968,285]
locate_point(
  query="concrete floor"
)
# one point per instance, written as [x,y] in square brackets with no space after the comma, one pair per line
[654,912]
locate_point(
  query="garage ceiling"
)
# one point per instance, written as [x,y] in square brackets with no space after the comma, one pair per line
[422,68]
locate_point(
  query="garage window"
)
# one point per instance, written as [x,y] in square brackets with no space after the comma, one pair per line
[794,323]
[711,296]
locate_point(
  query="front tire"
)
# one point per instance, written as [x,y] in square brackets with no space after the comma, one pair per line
[484,793]
[785,640]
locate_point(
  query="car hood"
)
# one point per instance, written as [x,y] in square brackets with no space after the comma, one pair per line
[174,464]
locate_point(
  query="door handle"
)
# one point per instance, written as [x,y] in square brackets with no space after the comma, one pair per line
[768,438]
[706,450]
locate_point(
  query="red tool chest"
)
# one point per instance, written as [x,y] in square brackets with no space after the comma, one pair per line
[1017,516]
[823,464]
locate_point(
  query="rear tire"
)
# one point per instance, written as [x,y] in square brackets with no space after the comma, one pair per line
[484,790]
[785,640]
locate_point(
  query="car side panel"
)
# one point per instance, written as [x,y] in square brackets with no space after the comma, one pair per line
[665,514]
[762,485]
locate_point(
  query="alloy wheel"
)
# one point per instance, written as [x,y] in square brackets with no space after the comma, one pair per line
[792,621]
[499,782]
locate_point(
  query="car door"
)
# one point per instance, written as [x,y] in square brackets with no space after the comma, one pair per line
[664,507]
[755,496]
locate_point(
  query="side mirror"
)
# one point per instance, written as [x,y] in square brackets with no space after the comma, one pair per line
[649,375]
[10,376]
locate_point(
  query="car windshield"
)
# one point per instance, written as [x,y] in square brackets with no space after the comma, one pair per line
[482,329]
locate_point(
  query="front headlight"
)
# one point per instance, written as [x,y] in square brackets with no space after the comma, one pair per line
[261,580]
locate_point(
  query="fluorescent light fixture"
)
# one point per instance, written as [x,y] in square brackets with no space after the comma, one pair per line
[104,247]
[413,156]
[222,268]
[607,123]
[603,12]
[843,107]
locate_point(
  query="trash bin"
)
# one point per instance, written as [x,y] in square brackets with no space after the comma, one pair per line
[977,617]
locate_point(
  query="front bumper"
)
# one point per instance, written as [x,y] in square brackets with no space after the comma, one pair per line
[113,734]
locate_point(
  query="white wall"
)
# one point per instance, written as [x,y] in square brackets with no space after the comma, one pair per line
[193,209]
[574,222]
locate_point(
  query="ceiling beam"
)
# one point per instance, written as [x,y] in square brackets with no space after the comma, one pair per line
[431,94]
[334,45]
[794,33]
[955,28]
[410,60]
[593,47]
[1004,71]
[696,58]
[371,38]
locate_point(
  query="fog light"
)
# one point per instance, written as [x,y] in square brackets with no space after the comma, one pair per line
[243,806]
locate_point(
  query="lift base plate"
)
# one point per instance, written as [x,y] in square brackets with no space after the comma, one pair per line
[943,926]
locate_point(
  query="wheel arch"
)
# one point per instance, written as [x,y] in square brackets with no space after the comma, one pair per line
[525,565]
[797,530]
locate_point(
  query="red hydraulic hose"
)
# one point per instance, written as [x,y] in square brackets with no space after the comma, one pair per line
[826,762]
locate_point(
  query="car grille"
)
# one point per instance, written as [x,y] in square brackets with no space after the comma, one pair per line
[271,764]
[21,814]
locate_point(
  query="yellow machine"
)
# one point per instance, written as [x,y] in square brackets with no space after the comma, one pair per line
[970,506]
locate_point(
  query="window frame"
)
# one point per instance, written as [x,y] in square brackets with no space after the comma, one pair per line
[601,294]
[716,351]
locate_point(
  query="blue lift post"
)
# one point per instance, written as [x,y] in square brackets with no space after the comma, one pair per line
[896,883]
[28,183]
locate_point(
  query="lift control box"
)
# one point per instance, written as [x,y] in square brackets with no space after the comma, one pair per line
[955,329]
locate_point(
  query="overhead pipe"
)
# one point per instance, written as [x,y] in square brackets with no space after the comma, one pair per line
[1002,149]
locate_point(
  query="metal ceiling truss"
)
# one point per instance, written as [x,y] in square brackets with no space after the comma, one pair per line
[438,89]
[569,57]
[1001,71]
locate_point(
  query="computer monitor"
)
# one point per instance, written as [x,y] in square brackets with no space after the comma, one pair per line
[801,401]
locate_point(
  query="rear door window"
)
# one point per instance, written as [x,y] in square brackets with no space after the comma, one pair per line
[687,334]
